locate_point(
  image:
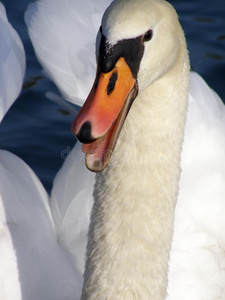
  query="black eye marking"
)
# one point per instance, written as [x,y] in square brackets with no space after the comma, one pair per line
[112,83]
[148,36]
[130,49]
[100,29]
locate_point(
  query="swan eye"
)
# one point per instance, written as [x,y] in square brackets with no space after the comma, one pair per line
[100,29]
[148,36]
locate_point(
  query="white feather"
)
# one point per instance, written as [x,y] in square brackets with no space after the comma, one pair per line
[70,209]
[12,63]
[63,37]
[42,269]
[197,266]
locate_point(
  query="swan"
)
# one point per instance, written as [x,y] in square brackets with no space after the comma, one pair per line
[32,264]
[157,221]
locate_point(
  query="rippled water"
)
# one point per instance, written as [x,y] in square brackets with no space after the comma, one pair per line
[38,130]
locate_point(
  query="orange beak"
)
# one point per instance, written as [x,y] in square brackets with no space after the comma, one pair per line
[101,118]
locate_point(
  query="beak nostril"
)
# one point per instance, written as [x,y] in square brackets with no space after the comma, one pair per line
[84,135]
[112,82]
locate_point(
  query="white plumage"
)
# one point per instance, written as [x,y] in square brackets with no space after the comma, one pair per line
[197,256]
[64,44]
[66,50]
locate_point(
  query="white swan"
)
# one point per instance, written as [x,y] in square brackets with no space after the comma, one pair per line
[132,233]
[32,265]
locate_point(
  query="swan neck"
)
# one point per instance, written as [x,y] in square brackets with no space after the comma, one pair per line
[135,196]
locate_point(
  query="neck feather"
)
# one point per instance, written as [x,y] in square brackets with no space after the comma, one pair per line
[132,219]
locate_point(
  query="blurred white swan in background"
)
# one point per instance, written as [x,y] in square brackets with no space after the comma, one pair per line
[32,265]
[63,34]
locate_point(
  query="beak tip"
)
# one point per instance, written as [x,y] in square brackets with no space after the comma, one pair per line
[95,165]
[84,134]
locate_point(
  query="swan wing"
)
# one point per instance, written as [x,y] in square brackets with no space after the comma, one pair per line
[63,35]
[71,204]
[12,58]
[197,266]
[42,270]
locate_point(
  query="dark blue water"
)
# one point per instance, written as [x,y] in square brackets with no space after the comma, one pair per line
[38,130]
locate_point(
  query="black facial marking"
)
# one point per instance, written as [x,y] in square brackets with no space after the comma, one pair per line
[84,135]
[112,83]
[131,49]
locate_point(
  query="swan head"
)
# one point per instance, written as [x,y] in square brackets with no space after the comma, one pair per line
[137,43]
